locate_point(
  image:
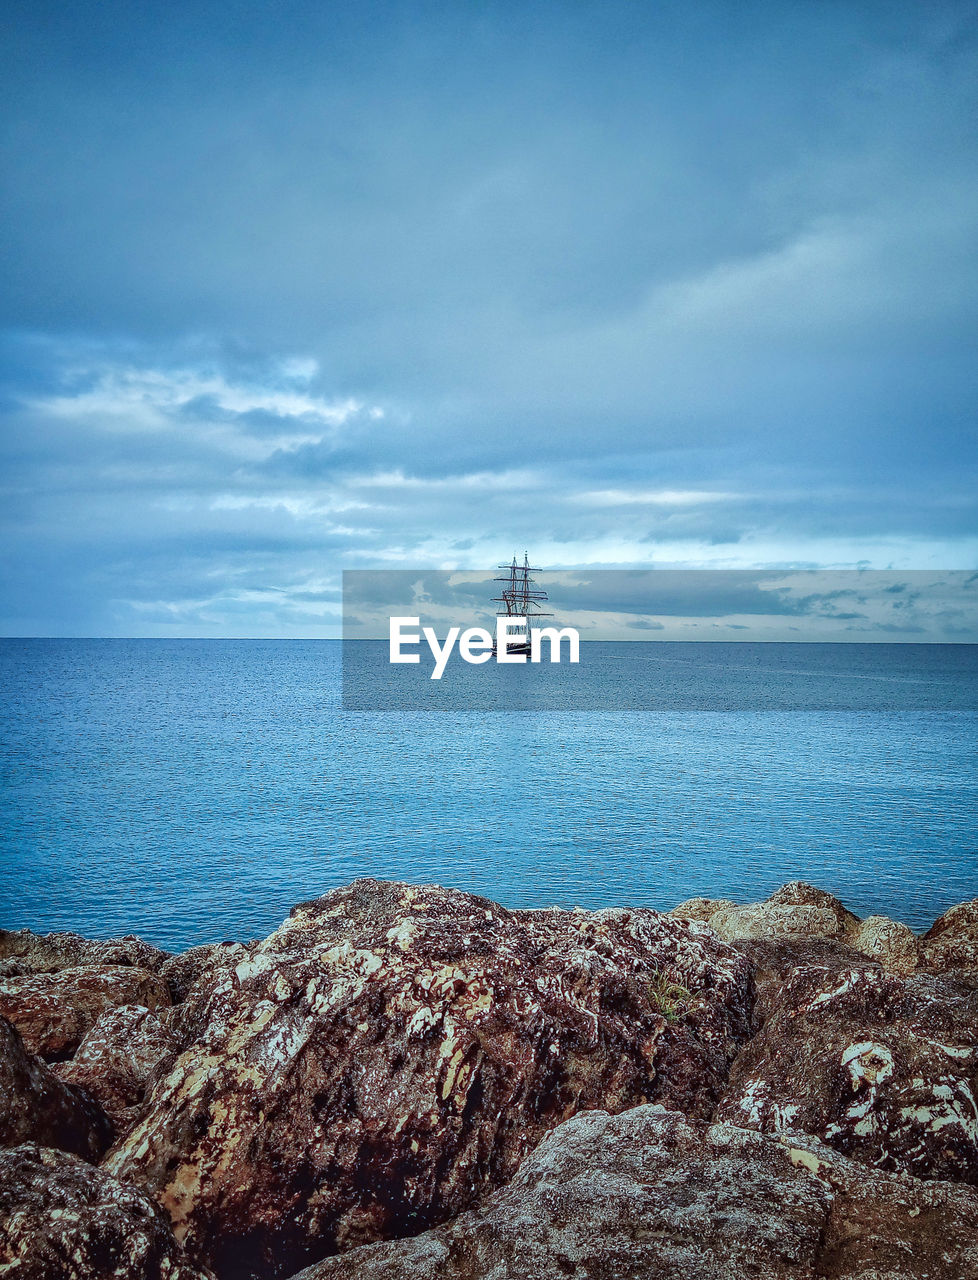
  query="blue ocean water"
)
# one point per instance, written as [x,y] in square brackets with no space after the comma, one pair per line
[190,791]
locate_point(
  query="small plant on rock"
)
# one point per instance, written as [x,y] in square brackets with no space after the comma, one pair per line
[669,998]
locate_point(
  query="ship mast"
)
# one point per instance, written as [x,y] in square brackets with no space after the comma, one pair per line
[520,597]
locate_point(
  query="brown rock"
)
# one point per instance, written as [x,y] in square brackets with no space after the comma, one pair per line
[892,943]
[60,1219]
[883,1070]
[796,893]
[48,952]
[118,1060]
[952,940]
[774,960]
[204,963]
[795,910]
[700,908]
[651,1195]
[53,1011]
[764,920]
[392,1052]
[36,1106]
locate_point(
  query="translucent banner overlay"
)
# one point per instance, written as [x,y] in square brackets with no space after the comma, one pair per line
[663,640]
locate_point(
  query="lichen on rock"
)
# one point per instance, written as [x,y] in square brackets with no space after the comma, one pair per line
[881,1069]
[118,1060]
[204,963]
[60,1219]
[652,1195]
[391,1053]
[54,1010]
[48,952]
[952,940]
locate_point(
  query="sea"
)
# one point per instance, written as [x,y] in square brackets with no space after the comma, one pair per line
[191,791]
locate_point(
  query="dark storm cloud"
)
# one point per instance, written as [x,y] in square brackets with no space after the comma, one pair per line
[302,287]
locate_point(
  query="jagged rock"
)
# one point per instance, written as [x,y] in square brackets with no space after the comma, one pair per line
[795,910]
[36,1106]
[391,1052]
[60,1219]
[883,1070]
[118,1060]
[206,962]
[53,1011]
[651,1195]
[952,940]
[773,960]
[48,952]
[700,908]
[892,943]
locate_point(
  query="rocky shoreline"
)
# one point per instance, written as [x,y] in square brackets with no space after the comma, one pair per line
[417,1083]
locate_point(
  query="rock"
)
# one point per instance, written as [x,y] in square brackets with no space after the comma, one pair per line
[700,908]
[798,894]
[773,961]
[118,1060]
[48,952]
[795,910]
[952,940]
[763,920]
[892,943]
[882,1070]
[36,1106]
[53,1011]
[60,1219]
[651,1195]
[207,962]
[390,1053]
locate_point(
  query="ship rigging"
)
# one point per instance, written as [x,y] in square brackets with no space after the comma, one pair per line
[520,598]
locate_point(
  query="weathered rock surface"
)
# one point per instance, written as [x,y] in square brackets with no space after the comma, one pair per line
[796,893]
[764,920]
[881,1069]
[391,1052]
[774,960]
[54,1010]
[60,1219]
[952,940]
[799,911]
[35,1106]
[118,1060]
[204,963]
[892,943]
[794,910]
[700,908]
[48,952]
[651,1195]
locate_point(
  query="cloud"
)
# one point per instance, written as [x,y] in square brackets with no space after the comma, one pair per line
[622,287]
[814,605]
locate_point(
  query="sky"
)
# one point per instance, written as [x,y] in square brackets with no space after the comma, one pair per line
[782,605]
[300,287]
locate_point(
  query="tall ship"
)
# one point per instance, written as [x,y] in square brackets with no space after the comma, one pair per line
[520,598]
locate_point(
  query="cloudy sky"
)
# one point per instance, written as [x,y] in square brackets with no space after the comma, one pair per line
[297,287]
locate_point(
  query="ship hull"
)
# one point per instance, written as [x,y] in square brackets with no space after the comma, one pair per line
[513,648]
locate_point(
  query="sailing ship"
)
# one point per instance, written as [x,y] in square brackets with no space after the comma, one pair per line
[520,598]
